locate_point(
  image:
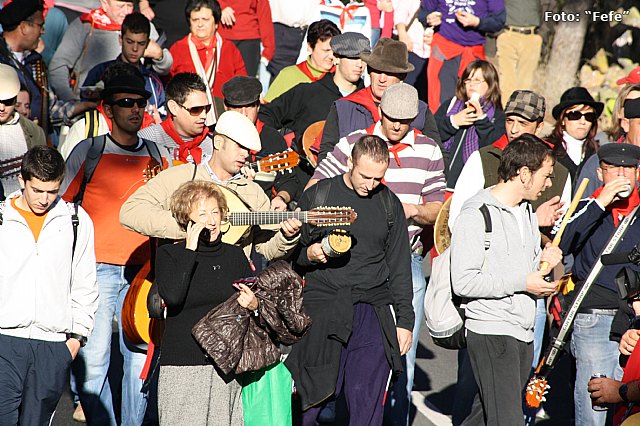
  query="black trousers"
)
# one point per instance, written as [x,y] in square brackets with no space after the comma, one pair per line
[501,367]
[288,43]
[33,374]
[250,51]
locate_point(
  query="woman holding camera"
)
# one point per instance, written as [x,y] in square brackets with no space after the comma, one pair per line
[193,277]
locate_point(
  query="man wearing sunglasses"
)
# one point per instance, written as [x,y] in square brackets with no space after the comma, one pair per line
[125,162]
[148,212]
[183,134]
[17,133]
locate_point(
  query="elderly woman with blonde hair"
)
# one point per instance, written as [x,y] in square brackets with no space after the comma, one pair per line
[194,276]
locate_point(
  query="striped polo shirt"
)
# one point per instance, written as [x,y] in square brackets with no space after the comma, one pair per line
[416,177]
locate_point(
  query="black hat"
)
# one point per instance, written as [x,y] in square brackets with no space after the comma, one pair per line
[16,11]
[576,96]
[619,154]
[125,83]
[241,90]
[632,108]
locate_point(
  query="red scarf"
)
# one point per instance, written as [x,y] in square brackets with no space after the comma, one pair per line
[631,373]
[621,207]
[304,68]
[364,97]
[394,149]
[186,148]
[206,52]
[503,142]
[99,19]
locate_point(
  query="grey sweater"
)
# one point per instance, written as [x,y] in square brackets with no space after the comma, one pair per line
[496,278]
[101,46]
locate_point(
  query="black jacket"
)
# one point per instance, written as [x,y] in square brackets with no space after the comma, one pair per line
[488,131]
[303,105]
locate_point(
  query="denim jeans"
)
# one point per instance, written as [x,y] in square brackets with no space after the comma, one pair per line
[399,401]
[92,364]
[594,353]
[538,330]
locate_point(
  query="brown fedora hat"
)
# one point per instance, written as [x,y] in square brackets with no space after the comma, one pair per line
[389,56]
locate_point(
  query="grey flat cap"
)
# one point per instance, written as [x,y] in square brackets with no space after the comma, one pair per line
[350,45]
[400,101]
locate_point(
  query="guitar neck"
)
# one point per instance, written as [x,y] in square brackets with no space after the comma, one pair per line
[265,217]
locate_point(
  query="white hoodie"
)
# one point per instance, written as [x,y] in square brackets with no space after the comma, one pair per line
[42,295]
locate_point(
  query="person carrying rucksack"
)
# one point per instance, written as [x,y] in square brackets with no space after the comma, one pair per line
[504,281]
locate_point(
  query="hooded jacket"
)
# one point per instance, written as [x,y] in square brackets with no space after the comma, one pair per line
[495,279]
[45,291]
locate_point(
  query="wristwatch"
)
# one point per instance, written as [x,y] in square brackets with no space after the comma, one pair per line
[622,390]
[79,338]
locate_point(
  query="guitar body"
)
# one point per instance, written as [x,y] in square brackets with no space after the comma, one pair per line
[235,204]
[137,327]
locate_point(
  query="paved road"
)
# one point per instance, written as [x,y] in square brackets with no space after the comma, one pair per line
[434,390]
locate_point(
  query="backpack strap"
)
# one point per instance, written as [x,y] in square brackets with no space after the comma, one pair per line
[322,192]
[387,203]
[488,228]
[75,222]
[91,123]
[154,152]
[195,171]
[90,163]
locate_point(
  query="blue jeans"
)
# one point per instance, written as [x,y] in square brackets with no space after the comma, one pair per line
[399,401]
[538,330]
[594,353]
[92,364]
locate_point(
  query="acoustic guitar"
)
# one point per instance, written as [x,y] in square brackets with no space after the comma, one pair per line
[139,328]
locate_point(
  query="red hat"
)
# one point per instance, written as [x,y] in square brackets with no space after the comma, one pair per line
[632,78]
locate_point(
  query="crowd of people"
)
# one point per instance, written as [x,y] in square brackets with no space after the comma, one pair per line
[134,133]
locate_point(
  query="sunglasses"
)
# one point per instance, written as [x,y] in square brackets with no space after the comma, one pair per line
[577,115]
[129,102]
[196,110]
[9,102]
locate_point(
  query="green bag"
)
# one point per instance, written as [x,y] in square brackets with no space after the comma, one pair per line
[266,396]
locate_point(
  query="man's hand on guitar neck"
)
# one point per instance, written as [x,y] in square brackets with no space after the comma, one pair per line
[290,227]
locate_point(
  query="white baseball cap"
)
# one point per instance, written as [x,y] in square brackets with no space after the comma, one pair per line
[9,82]
[240,129]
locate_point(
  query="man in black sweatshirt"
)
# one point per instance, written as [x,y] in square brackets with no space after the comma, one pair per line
[355,343]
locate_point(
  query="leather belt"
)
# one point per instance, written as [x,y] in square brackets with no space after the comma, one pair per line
[609,312]
[521,30]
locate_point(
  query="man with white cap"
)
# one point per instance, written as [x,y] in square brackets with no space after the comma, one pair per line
[147,210]
[17,133]
[416,176]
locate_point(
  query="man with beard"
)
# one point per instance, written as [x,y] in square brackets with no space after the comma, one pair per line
[124,158]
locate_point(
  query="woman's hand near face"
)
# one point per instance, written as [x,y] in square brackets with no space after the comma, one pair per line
[247,299]
[193,233]
[466,117]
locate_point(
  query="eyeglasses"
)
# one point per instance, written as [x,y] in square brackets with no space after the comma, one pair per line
[40,25]
[473,82]
[196,110]
[577,115]
[129,102]
[9,102]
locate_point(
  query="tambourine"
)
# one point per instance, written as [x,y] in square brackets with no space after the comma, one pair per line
[336,243]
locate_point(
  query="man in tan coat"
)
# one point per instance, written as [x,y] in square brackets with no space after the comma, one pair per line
[147,210]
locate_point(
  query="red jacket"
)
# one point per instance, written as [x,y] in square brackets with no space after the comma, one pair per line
[253,21]
[231,63]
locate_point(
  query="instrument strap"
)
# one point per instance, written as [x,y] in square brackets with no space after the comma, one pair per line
[559,341]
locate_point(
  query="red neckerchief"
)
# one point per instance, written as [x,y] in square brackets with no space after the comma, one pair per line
[259,127]
[346,14]
[211,47]
[191,148]
[503,142]
[304,68]
[395,148]
[364,97]
[99,19]
[621,207]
